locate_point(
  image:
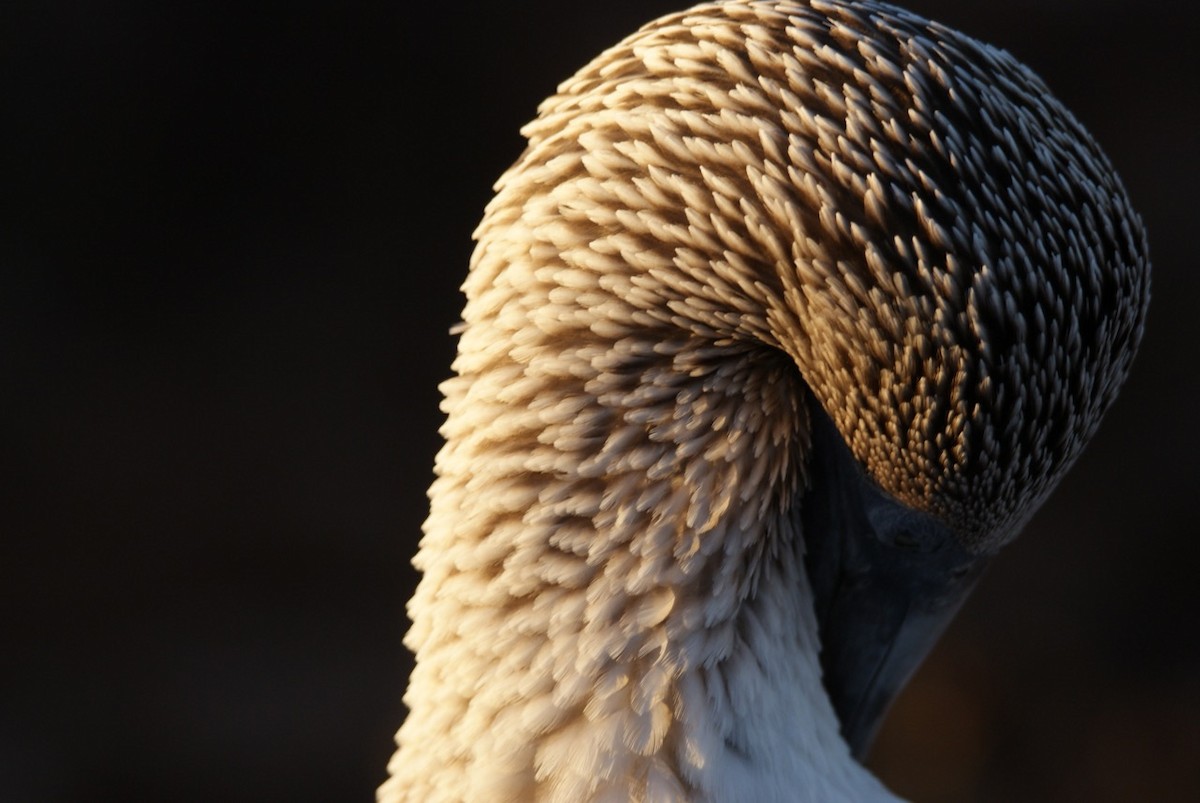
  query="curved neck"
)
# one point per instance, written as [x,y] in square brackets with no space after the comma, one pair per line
[614,598]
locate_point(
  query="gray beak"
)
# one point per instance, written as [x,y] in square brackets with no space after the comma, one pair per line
[886,580]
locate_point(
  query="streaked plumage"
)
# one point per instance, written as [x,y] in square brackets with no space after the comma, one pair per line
[742,221]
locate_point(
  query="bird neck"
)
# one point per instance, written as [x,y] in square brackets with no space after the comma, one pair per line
[614,599]
[758,707]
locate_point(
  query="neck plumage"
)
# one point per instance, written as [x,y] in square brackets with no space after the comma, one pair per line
[614,603]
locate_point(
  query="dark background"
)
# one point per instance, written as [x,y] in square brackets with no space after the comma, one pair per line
[231,244]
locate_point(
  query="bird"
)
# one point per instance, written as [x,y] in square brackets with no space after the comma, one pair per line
[787,319]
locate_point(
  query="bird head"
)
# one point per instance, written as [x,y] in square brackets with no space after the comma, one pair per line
[964,303]
[972,281]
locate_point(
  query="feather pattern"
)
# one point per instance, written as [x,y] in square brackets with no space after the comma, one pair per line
[737,210]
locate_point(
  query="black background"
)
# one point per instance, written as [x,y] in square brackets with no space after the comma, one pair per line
[232,237]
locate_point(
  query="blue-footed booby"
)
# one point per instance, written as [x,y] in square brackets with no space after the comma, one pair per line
[790,315]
